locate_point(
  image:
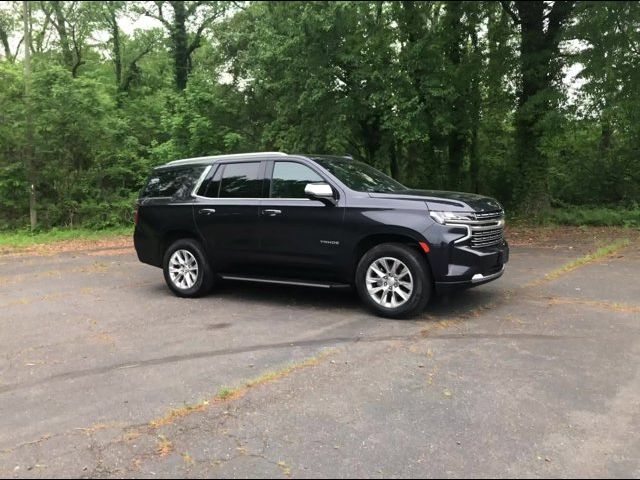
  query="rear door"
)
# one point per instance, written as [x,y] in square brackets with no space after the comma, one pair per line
[227,212]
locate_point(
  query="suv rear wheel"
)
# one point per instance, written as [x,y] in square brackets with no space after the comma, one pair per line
[186,269]
[393,280]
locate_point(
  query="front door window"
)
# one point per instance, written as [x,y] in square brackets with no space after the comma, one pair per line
[290,178]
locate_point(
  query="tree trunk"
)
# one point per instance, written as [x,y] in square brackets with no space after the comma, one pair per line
[28,151]
[394,168]
[4,38]
[537,52]
[474,159]
[371,136]
[180,44]
[456,140]
[534,59]
[117,54]
[61,28]
[606,136]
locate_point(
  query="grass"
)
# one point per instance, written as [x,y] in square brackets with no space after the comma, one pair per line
[286,469]
[227,394]
[613,306]
[224,393]
[187,458]
[597,217]
[176,413]
[163,446]
[25,238]
[600,253]
[583,217]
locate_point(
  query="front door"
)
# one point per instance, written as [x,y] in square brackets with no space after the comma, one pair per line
[227,213]
[300,237]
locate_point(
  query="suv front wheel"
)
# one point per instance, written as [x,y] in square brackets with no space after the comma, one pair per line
[186,269]
[393,280]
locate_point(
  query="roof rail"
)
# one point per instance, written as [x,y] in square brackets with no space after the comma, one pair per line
[231,155]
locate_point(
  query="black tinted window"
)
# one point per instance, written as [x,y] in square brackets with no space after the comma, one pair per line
[289,180]
[174,182]
[360,176]
[211,187]
[240,180]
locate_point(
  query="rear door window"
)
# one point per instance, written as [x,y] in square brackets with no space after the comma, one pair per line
[240,180]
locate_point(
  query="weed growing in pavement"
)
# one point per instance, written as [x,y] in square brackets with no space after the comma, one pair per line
[164,446]
[228,394]
[602,252]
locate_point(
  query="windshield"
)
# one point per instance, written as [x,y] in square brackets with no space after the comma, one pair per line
[359,176]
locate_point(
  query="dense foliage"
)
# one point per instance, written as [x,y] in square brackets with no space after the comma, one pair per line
[445,95]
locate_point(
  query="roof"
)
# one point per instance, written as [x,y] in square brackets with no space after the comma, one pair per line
[208,160]
[212,158]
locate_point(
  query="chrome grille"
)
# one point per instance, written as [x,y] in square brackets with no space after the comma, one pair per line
[484,229]
[487,230]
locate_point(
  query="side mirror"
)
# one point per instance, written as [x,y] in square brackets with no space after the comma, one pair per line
[320,191]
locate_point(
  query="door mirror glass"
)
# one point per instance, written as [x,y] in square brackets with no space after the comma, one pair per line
[319,190]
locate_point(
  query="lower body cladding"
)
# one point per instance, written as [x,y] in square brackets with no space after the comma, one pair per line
[460,266]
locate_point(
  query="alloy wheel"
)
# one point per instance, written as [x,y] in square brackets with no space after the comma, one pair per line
[389,282]
[183,269]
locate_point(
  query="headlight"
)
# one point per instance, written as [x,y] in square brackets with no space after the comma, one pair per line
[451,217]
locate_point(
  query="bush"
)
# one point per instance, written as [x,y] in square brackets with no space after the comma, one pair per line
[592,216]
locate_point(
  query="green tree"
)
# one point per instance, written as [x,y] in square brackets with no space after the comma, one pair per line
[73,22]
[440,94]
[541,28]
[8,28]
[199,15]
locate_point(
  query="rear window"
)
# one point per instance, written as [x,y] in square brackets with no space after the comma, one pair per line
[174,182]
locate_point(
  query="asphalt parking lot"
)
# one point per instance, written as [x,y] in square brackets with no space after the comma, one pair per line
[104,373]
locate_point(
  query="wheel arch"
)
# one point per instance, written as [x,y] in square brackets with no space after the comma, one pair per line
[172,235]
[367,242]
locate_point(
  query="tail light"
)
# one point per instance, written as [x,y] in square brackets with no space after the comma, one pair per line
[135,216]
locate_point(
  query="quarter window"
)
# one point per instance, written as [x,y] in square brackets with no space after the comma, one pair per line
[172,182]
[290,178]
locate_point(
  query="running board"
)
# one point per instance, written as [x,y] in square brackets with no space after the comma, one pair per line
[286,281]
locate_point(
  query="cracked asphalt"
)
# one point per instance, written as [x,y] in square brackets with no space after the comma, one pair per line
[104,373]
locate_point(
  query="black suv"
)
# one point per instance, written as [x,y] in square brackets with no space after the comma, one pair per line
[315,220]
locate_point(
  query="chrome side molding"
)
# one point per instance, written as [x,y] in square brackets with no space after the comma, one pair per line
[244,278]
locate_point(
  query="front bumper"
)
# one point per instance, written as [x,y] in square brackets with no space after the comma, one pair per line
[479,278]
[468,267]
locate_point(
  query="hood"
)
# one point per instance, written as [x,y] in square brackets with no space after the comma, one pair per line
[446,201]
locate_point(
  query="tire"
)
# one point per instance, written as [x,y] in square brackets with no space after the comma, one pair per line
[184,255]
[391,296]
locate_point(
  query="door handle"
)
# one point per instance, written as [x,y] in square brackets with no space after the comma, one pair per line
[207,211]
[271,212]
